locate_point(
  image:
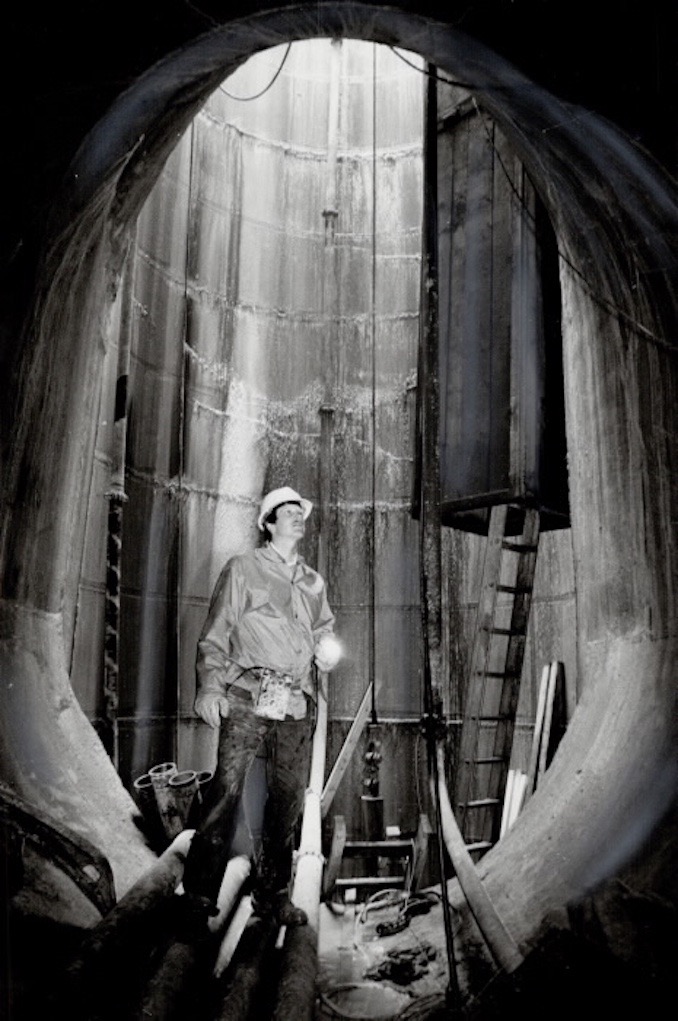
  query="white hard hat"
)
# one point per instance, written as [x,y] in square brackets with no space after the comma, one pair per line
[278,496]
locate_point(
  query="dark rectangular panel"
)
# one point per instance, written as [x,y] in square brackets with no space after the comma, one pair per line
[501,407]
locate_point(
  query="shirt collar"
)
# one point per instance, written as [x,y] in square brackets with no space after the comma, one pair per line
[278,555]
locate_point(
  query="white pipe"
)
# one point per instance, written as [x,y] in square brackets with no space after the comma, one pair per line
[309,861]
[237,871]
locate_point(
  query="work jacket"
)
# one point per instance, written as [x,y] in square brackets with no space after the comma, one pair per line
[263,613]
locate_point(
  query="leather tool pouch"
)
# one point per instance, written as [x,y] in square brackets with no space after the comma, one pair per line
[273,699]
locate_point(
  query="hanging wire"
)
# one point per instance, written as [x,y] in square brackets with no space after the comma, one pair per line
[428,73]
[181,453]
[373,323]
[248,99]
[430,508]
[203,14]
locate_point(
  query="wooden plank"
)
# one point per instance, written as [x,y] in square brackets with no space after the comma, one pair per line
[479,463]
[527,342]
[371,882]
[548,718]
[384,848]
[346,753]
[335,856]
[453,177]
[500,942]
[420,852]
[536,736]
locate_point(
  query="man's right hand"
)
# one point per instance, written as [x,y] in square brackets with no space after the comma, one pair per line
[211,707]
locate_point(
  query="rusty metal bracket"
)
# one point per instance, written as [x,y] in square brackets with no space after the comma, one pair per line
[79,859]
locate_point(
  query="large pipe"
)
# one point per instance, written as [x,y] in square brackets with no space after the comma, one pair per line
[308,873]
[244,988]
[117,497]
[298,962]
[114,943]
[176,985]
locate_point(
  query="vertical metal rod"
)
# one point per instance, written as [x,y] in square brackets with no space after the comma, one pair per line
[331,218]
[325,490]
[181,465]
[430,567]
[330,311]
[117,498]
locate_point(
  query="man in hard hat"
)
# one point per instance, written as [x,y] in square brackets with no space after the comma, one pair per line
[268,622]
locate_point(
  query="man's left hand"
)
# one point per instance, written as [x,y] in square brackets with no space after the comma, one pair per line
[328,652]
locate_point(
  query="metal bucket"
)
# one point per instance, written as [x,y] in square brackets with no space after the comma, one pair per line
[183,788]
[160,776]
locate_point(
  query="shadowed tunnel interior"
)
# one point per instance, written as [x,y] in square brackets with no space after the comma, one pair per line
[605,813]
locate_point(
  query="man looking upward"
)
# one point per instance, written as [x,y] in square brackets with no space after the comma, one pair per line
[268,621]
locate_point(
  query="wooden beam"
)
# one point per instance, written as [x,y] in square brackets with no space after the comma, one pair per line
[533,764]
[548,719]
[420,855]
[347,749]
[336,855]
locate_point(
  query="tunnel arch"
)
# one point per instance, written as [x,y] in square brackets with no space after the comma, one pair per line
[616,217]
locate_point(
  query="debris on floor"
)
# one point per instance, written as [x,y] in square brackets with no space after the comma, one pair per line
[403,966]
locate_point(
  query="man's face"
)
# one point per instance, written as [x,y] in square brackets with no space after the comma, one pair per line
[289,523]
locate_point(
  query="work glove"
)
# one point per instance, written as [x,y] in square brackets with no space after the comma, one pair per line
[211,706]
[328,652]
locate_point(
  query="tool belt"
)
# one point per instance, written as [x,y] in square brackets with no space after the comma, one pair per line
[273,699]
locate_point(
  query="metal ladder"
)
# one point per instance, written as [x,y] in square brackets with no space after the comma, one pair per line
[494,682]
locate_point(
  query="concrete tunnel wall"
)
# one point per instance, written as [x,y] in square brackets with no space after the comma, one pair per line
[278,323]
[225,399]
[616,221]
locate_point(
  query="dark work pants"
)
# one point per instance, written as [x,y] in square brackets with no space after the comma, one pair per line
[242,737]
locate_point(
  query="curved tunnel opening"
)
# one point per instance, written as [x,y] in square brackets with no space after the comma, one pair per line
[614,340]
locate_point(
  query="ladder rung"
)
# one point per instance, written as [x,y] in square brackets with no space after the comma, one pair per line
[479,845]
[370,881]
[490,719]
[481,803]
[508,631]
[489,759]
[385,848]
[515,589]
[497,673]
[519,547]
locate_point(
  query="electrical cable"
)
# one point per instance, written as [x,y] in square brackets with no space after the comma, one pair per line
[248,99]
[181,445]
[429,499]
[430,74]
